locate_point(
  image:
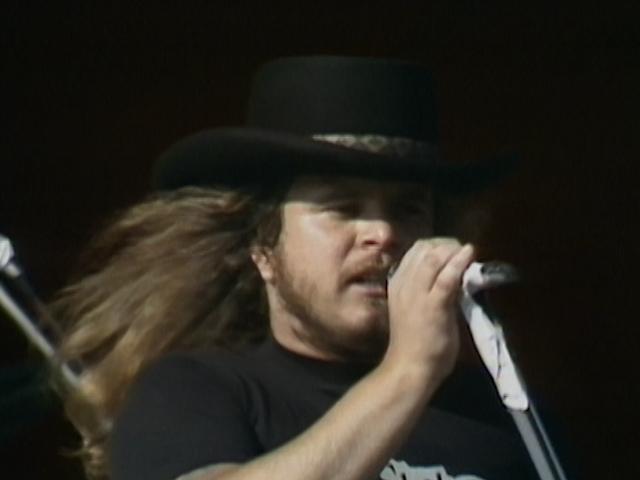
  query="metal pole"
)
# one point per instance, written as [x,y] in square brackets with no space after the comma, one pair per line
[13,273]
[538,445]
[35,336]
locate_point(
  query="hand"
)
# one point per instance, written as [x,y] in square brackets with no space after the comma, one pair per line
[422,299]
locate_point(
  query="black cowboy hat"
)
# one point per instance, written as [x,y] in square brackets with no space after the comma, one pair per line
[329,115]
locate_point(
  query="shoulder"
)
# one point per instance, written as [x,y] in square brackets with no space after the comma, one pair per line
[188,374]
[186,410]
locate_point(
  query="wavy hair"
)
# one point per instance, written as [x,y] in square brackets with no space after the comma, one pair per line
[171,273]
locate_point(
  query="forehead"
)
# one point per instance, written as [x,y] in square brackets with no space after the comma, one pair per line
[324,188]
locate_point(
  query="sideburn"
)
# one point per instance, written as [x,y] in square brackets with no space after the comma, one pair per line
[296,296]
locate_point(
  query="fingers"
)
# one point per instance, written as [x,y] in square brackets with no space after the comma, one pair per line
[420,256]
[449,278]
[422,310]
[437,265]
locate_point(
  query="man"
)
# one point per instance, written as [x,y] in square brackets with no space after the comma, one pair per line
[330,198]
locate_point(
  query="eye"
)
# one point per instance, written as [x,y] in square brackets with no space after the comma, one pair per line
[345,208]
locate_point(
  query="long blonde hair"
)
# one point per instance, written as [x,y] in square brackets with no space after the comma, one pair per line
[173,272]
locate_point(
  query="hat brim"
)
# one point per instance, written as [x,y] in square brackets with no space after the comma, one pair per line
[250,156]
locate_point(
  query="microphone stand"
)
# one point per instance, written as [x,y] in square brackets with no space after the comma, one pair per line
[11,274]
[490,342]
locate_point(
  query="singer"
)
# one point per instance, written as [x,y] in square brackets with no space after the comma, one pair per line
[240,323]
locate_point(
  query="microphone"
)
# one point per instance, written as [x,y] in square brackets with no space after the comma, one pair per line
[7,266]
[13,274]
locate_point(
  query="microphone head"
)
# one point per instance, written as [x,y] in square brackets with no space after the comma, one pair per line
[481,276]
[7,264]
[6,252]
[499,272]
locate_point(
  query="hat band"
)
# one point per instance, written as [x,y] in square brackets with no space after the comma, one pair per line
[382,144]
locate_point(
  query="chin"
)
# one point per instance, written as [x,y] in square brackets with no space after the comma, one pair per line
[370,317]
[368,329]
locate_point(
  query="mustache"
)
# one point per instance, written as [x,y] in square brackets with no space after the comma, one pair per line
[377,267]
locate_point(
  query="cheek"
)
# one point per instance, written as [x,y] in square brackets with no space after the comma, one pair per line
[322,263]
[321,244]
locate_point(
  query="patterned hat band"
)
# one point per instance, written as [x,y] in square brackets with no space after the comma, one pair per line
[400,146]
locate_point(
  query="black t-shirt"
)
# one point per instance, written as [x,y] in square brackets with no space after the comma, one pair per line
[196,409]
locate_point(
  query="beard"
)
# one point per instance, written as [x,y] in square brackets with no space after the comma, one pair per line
[321,326]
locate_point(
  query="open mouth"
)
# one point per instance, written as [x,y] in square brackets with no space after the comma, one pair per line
[374,284]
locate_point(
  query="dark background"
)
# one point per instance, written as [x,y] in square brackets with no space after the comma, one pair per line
[92,93]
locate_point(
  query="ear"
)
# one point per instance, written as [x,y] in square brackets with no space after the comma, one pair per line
[263,260]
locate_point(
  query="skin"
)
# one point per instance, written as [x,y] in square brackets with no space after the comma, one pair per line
[334,234]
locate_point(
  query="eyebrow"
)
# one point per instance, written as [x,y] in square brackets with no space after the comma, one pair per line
[338,192]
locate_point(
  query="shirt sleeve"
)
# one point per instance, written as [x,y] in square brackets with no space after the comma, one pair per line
[179,416]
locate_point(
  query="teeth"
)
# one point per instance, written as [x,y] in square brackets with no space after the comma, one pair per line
[377,278]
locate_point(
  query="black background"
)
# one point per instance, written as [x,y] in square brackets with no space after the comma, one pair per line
[93,92]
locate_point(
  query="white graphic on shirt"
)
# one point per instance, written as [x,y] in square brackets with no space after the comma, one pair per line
[403,471]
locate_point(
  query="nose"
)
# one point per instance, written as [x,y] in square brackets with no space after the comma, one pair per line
[379,233]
